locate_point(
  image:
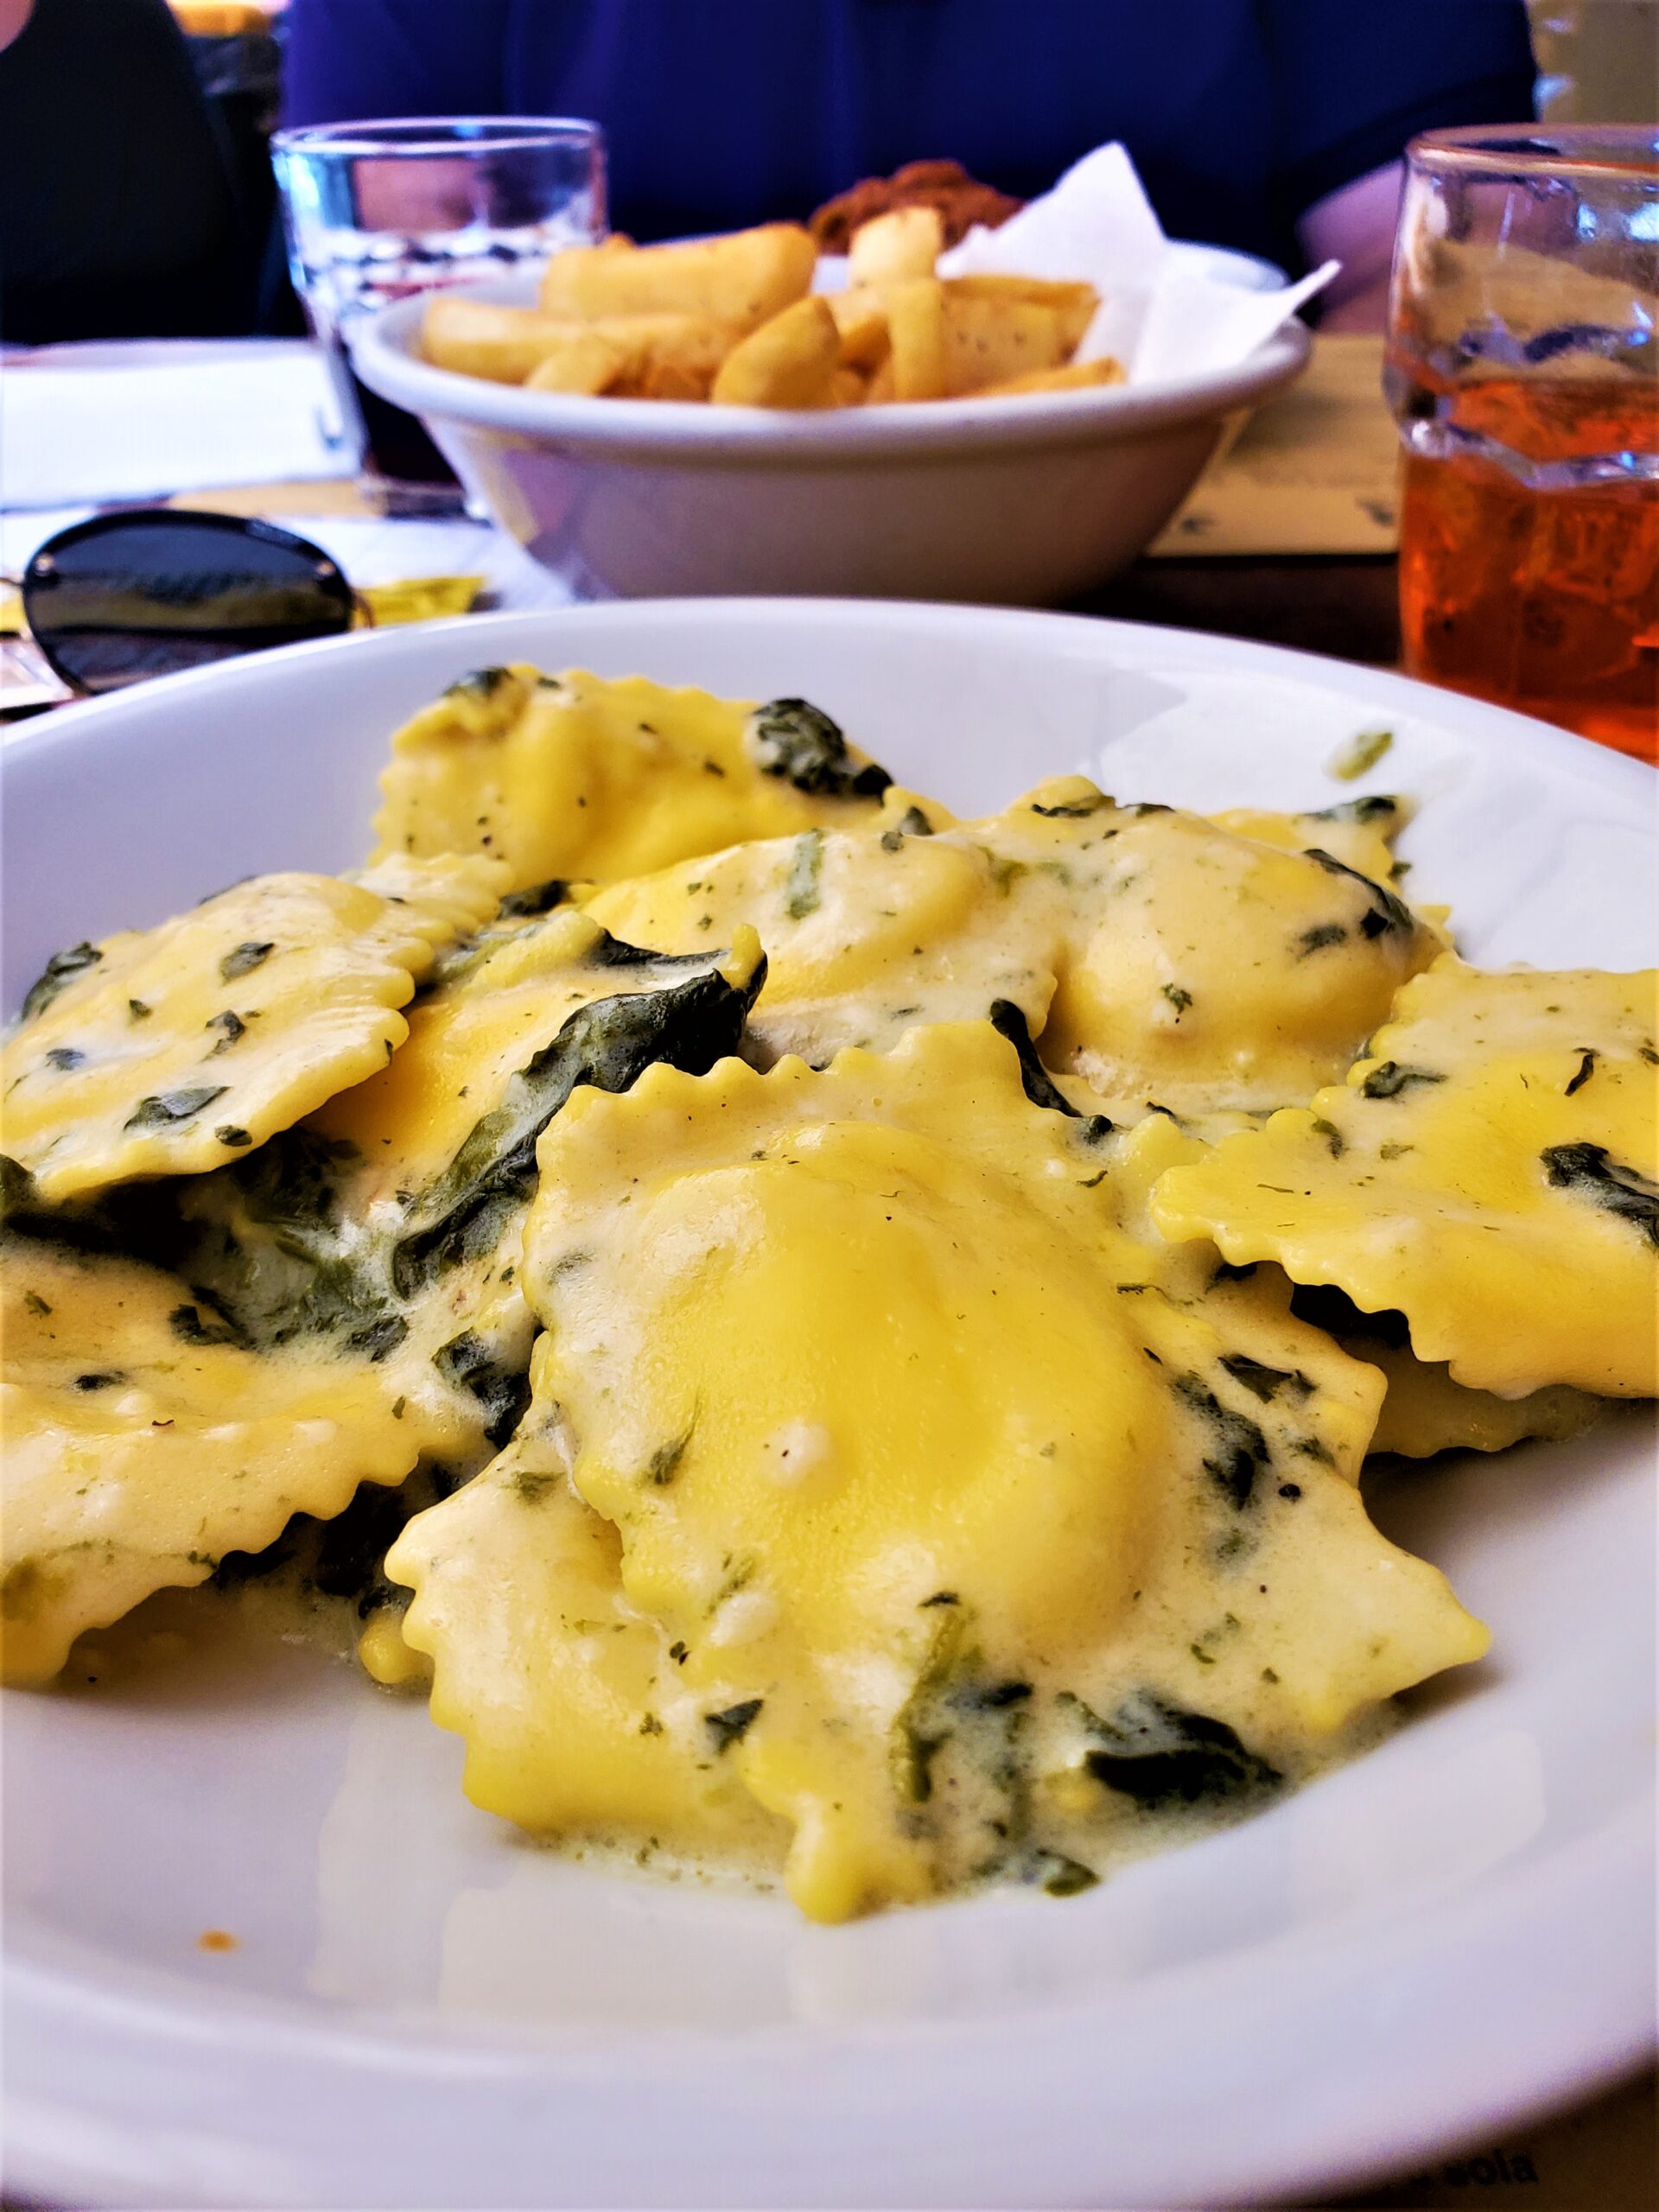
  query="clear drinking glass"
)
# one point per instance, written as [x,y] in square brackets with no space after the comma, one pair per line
[376,211]
[1523,374]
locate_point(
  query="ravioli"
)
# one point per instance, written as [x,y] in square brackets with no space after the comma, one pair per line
[577,1716]
[1426,1412]
[571,776]
[1489,1170]
[1359,832]
[169,1051]
[486,1015]
[143,1442]
[389,1225]
[1205,971]
[969,1538]
[313,1281]
[886,1409]
[1161,958]
[868,932]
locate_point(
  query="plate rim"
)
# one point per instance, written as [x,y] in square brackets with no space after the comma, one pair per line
[1572,1941]
[1207,649]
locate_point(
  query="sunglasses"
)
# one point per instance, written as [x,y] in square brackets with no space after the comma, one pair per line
[127,596]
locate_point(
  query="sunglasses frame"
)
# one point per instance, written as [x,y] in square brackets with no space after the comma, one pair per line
[326,575]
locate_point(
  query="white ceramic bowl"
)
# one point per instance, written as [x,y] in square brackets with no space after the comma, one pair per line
[1026,501]
[1419,1947]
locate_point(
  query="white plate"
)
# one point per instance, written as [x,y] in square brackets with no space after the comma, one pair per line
[424,2011]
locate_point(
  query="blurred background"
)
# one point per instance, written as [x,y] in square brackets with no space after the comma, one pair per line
[1597,60]
[147,278]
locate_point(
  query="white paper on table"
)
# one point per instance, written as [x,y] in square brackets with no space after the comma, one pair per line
[98,429]
[376,550]
[1159,314]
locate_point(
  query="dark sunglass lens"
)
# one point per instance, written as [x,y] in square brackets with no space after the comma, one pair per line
[146,595]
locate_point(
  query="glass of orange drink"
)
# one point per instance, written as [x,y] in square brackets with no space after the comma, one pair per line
[1523,374]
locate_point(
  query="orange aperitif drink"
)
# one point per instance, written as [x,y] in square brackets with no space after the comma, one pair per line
[1522,372]
[1521,586]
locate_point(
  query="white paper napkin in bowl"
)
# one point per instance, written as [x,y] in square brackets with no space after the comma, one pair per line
[1159,315]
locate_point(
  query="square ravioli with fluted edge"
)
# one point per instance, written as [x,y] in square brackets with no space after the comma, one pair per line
[744,1285]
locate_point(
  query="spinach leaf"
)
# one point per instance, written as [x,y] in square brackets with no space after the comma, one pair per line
[377,1340]
[1352,760]
[610,952]
[294,1183]
[913,823]
[467,1363]
[1035,1080]
[1077,809]
[1587,1170]
[1239,1450]
[1378,807]
[1159,1754]
[163,1108]
[188,1324]
[802,890]
[246,958]
[479,683]
[1057,1876]
[1317,939]
[664,1462]
[266,1240]
[1386,911]
[793,738]
[1335,1143]
[59,971]
[977,1696]
[731,1727]
[608,1043]
[1265,1383]
[536,897]
[237,1567]
[1389,1077]
[915,1738]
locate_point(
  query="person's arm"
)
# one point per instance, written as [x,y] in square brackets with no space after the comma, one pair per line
[1355,225]
[357,61]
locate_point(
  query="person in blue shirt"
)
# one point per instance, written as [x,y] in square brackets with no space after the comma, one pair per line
[1275,126]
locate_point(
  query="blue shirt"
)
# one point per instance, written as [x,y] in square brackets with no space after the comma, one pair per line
[1239,113]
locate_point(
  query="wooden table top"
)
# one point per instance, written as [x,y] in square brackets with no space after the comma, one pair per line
[1289,536]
